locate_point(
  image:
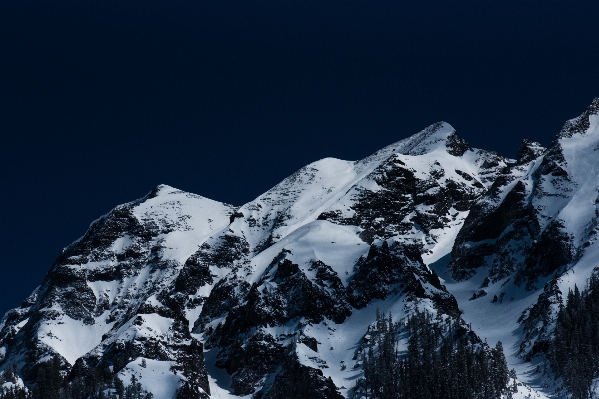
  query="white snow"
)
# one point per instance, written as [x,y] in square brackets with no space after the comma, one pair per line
[219,379]
[337,246]
[73,338]
[344,339]
[10,385]
[156,377]
[288,215]
[196,218]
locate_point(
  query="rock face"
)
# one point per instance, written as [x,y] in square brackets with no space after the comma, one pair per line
[335,237]
[540,214]
[107,300]
[279,294]
[533,236]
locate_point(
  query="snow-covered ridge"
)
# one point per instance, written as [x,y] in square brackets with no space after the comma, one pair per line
[190,294]
[425,141]
[96,292]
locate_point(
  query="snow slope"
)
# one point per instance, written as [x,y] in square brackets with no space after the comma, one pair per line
[182,291]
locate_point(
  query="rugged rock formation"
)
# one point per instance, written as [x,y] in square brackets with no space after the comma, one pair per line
[280,293]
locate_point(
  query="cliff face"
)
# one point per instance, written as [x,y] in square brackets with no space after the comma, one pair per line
[106,300]
[281,292]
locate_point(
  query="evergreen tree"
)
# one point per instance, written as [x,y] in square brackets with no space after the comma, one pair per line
[573,352]
[52,383]
[443,361]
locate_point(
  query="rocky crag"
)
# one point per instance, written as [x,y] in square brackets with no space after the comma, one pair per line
[194,298]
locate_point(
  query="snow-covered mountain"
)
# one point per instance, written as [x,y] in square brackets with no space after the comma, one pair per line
[194,298]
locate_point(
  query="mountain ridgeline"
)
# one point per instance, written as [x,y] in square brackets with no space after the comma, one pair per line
[429,269]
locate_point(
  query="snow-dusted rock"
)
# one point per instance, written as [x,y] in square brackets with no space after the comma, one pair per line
[194,296]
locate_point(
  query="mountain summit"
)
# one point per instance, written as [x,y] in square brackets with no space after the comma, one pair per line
[345,280]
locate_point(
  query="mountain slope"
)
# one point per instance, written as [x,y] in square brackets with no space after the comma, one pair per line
[530,240]
[196,298]
[104,298]
[333,238]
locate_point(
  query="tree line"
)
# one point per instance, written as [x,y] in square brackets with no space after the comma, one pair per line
[573,352]
[444,360]
[53,383]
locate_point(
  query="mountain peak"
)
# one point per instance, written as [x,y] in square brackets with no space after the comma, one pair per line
[161,189]
[528,151]
[581,123]
[438,136]
[428,140]
[284,288]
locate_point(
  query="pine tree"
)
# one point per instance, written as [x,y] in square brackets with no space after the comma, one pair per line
[441,363]
[574,351]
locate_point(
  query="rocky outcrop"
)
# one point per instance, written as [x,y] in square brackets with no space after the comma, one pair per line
[107,299]
[282,291]
[509,226]
[296,381]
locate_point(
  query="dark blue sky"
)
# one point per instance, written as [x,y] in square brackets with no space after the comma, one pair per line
[100,101]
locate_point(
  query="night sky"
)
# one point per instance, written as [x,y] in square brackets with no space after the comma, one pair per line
[100,101]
